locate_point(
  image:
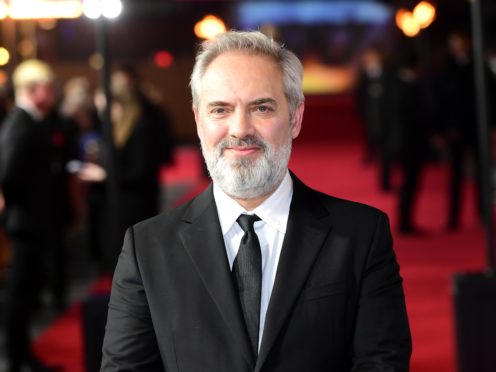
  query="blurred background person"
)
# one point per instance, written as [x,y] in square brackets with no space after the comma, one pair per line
[6,104]
[375,99]
[34,149]
[457,103]
[77,105]
[126,85]
[411,115]
[459,122]
[142,144]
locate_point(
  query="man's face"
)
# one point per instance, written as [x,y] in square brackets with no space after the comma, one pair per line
[43,96]
[244,124]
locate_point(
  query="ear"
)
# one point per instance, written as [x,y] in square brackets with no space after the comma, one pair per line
[297,120]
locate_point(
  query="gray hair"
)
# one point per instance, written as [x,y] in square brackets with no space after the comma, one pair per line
[253,43]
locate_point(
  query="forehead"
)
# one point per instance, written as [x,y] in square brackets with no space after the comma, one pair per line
[242,72]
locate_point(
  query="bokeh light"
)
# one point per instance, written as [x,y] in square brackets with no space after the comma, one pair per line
[96,61]
[209,27]
[407,23]
[92,9]
[44,9]
[163,59]
[4,10]
[111,8]
[424,13]
[4,56]
[96,8]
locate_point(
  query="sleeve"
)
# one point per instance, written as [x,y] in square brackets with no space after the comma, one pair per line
[382,340]
[130,342]
[15,158]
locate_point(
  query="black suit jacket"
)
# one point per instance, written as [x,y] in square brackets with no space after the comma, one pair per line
[33,177]
[337,302]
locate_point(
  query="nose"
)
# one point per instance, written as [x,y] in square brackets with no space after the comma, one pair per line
[240,125]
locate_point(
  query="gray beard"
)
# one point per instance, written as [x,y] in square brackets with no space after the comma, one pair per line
[248,178]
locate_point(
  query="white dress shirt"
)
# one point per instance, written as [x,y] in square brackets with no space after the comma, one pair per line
[271,229]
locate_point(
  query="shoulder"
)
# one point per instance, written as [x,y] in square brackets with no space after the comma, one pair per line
[16,115]
[169,223]
[344,207]
[161,222]
[16,123]
[348,211]
[345,215]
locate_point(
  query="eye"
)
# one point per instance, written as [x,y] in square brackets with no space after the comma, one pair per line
[218,110]
[263,108]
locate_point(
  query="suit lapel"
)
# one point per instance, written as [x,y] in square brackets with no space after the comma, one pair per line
[202,238]
[306,232]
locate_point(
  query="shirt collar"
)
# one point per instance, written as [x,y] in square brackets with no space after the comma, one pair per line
[274,210]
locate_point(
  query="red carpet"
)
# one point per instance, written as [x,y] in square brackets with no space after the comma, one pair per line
[427,262]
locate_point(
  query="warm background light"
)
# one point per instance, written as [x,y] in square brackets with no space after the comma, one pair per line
[4,10]
[400,14]
[45,9]
[407,23]
[4,56]
[424,13]
[411,23]
[47,24]
[209,27]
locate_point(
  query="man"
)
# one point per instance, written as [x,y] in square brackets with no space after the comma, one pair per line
[33,153]
[375,96]
[458,111]
[330,296]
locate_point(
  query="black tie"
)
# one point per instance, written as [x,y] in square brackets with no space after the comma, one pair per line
[247,269]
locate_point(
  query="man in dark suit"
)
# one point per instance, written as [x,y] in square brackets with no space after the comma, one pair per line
[309,283]
[33,152]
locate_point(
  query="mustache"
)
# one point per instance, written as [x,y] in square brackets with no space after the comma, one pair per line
[241,142]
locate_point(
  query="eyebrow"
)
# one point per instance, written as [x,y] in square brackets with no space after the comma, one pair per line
[256,102]
[217,104]
[261,101]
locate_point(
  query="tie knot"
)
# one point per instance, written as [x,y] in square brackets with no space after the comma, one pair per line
[246,221]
